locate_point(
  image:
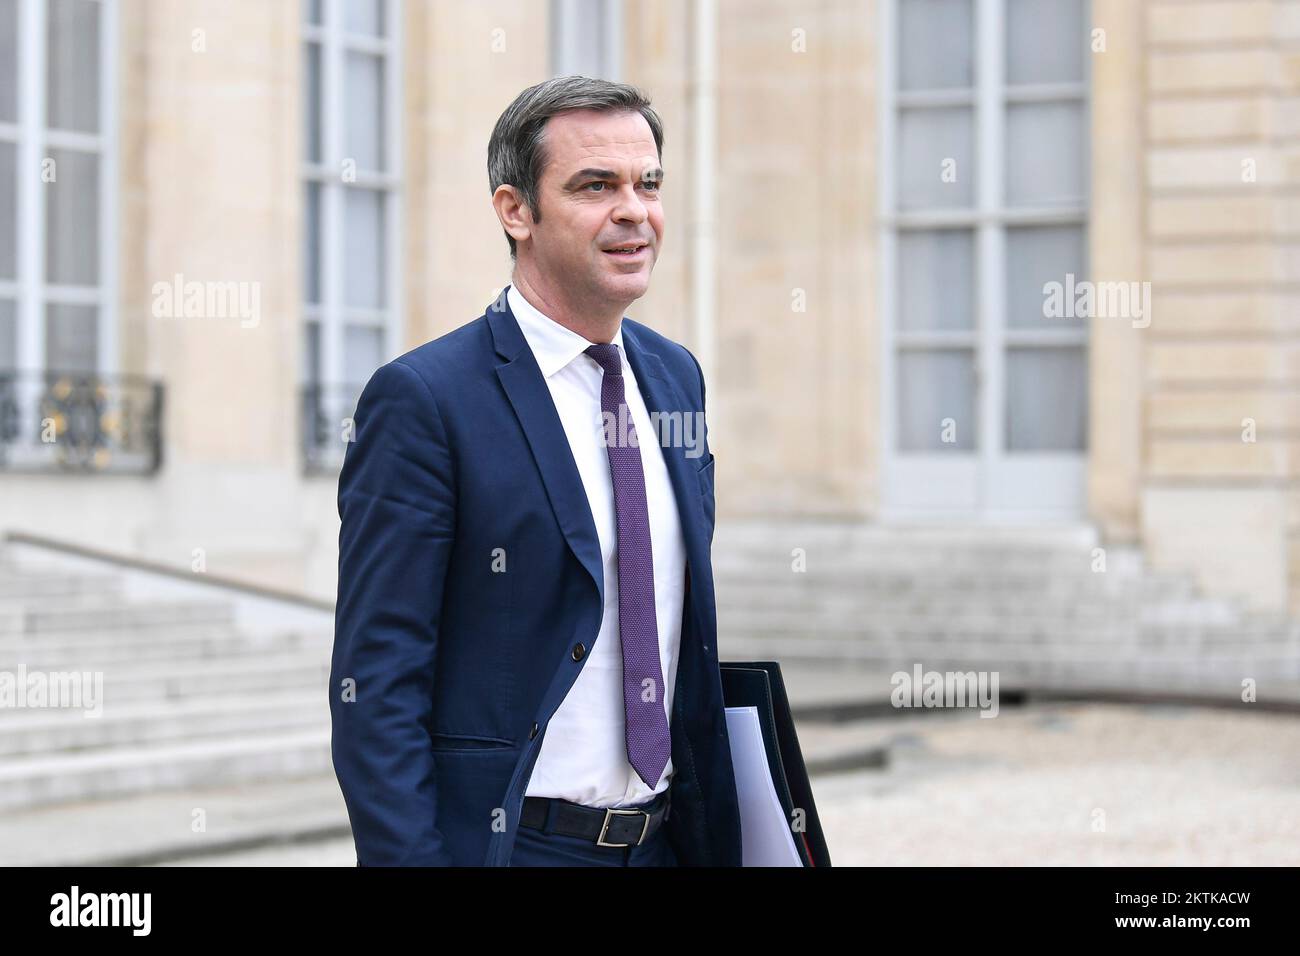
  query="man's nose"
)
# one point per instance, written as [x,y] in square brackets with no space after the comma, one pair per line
[629,208]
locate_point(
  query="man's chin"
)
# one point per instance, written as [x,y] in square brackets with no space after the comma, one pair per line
[629,286]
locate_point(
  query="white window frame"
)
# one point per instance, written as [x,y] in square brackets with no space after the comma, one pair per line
[989,218]
[331,312]
[34,140]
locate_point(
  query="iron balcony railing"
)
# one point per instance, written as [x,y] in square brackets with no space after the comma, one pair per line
[79,422]
[326,425]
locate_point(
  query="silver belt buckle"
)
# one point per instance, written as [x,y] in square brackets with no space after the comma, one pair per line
[609,811]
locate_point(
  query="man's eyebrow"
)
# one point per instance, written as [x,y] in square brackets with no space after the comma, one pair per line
[583,175]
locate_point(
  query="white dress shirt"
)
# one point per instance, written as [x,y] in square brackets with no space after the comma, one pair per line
[584,754]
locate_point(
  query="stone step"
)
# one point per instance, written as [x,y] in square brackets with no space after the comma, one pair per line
[47,779]
[940,575]
[1106,643]
[118,616]
[156,827]
[199,642]
[902,628]
[876,625]
[148,722]
[255,673]
[1053,643]
[1263,660]
[949,607]
[32,590]
[915,566]
[885,588]
[91,637]
[888,580]
[766,532]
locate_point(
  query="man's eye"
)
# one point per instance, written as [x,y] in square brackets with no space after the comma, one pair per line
[649,184]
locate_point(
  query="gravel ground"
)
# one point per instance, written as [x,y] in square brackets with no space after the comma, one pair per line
[1092,785]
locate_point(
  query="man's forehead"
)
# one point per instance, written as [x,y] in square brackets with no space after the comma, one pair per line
[616,134]
[591,144]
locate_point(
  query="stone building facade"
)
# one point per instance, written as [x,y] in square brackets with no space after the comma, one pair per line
[256,203]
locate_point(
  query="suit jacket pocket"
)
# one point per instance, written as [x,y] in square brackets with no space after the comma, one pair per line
[705,472]
[444,742]
[705,475]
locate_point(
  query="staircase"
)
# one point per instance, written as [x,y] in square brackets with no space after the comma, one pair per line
[192,699]
[1025,603]
[188,697]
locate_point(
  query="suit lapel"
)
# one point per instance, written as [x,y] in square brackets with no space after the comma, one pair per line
[526,388]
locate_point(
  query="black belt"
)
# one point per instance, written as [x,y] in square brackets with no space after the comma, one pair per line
[607,826]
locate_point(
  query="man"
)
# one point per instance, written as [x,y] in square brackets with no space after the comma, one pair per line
[525,663]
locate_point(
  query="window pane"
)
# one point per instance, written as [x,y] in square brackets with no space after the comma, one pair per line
[364,129]
[311,353]
[8,211]
[936,44]
[935,385]
[71,338]
[936,271]
[362,354]
[72,219]
[578,38]
[8,334]
[363,249]
[311,102]
[1045,41]
[364,16]
[72,69]
[8,61]
[1047,407]
[936,158]
[1037,255]
[311,11]
[1045,154]
[311,243]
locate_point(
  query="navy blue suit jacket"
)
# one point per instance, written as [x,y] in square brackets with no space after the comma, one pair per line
[446,670]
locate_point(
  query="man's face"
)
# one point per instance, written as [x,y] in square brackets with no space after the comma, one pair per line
[599,190]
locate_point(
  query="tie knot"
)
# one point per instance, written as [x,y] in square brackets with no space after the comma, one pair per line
[607,355]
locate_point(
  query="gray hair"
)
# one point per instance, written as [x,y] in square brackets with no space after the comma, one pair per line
[516,151]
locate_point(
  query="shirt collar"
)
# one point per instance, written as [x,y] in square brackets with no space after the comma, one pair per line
[553,345]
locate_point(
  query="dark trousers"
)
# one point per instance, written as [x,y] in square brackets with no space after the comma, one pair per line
[544,848]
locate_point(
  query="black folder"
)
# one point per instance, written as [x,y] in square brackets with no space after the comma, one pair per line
[759,684]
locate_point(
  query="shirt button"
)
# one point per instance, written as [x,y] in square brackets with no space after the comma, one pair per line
[578,651]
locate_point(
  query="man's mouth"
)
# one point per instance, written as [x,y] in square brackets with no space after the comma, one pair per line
[629,251]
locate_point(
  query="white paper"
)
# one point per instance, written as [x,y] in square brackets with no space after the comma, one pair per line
[766,837]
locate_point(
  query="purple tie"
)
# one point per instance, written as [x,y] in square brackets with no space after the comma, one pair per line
[648,740]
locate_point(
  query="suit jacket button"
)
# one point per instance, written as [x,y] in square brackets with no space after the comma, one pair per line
[532,733]
[578,651]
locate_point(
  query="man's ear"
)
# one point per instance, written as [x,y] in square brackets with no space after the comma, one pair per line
[516,218]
